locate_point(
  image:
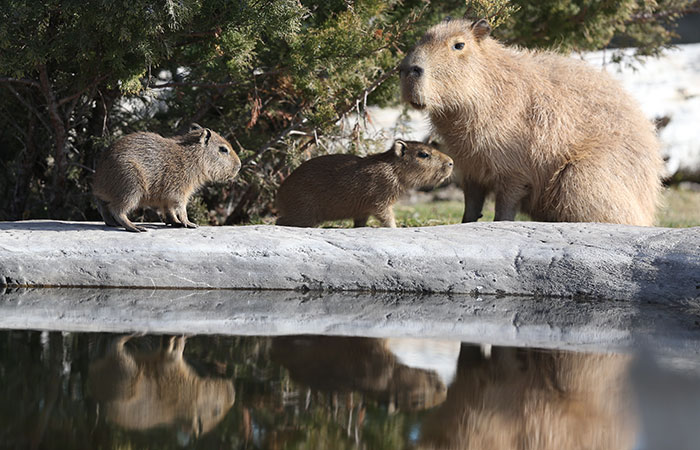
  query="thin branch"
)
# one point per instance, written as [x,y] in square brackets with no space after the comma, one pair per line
[21,81]
[194,84]
[95,82]
[30,107]
[210,85]
[693,7]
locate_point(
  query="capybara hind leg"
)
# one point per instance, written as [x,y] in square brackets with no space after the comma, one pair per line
[474,196]
[126,223]
[584,191]
[181,212]
[358,222]
[107,216]
[386,217]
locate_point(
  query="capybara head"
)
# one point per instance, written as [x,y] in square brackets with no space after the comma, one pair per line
[219,162]
[419,164]
[446,65]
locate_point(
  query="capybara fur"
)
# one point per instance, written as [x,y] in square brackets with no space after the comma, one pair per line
[139,390]
[342,364]
[146,169]
[335,187]
[546,133]
[530,399]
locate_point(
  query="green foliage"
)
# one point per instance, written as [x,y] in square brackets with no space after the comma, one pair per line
[283,80]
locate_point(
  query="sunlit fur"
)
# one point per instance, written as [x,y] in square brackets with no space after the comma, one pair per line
[528,399]
[139,390]
[145,169]
[335,187]
[546,133]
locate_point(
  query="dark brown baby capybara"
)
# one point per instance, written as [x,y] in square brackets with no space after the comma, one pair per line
[334,187]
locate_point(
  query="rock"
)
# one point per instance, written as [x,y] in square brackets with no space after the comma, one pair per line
[574,324]
[515,258]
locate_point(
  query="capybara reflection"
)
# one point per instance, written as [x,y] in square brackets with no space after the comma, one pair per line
[145,169]
[139,390]
[335,187]
[346,364]
[546,133]
[529,399]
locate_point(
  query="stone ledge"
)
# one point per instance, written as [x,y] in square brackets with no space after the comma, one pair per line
[584,325]
[514,258]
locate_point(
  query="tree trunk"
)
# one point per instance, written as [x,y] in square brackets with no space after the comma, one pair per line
[58,180]
[24,173]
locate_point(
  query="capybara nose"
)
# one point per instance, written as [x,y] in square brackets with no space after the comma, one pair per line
[415,71]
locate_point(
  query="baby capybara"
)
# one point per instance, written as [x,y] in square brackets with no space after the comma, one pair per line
[334,187]
[146,169]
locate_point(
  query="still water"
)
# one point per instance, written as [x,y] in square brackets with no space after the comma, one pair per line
[97,390]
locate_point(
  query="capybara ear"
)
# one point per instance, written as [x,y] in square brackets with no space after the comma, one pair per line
[204,138]
[481,29]
[399,147]
[195,126]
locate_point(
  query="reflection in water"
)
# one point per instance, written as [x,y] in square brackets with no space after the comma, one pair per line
[515,398]
[140,389]
[76,390]
[346,364]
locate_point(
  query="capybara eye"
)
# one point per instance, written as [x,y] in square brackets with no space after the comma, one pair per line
[423,155]
[458,46]
[223,149]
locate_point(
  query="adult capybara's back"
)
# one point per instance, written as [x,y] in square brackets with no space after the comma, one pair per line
[545,132]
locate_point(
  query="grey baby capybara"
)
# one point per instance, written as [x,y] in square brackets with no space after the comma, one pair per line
[334,187]
[146,169]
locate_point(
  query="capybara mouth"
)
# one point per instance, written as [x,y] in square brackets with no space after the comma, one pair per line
[417,105]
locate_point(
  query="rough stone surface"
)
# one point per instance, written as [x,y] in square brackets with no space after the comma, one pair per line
[516,258]
[594,325]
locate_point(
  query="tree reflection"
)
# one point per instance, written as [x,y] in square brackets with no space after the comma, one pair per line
[74,390]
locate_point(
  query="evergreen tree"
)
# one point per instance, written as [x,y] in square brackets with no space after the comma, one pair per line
[273,76]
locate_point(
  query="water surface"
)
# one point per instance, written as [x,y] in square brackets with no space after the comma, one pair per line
[97,390]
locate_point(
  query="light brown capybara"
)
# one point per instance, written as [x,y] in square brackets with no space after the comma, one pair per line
[531,399]
[146,169]
[334,187]
[139,390]
[546,133]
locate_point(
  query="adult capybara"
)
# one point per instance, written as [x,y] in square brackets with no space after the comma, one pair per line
[334,187]
[146,169]
[531,399]
[545,132]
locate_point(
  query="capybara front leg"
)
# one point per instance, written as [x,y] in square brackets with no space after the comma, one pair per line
[360,222]
[386,217]
[474,195]
[507,203]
